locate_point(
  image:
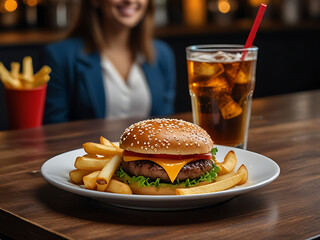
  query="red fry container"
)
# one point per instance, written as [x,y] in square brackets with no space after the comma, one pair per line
[25,107]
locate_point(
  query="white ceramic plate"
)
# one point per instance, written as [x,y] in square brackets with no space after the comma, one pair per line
[262,171]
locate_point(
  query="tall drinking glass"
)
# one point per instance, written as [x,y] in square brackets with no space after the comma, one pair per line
[221,84]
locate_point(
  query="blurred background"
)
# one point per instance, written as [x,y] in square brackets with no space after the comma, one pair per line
[288,37]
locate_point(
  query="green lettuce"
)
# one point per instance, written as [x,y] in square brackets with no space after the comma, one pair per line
[214,151]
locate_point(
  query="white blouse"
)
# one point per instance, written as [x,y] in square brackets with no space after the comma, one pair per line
[131,98]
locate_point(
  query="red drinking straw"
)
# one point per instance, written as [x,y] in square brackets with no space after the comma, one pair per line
[254,28]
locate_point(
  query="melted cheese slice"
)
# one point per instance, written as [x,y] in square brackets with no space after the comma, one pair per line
[171,166]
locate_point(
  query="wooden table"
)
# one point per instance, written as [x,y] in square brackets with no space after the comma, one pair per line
[285,128]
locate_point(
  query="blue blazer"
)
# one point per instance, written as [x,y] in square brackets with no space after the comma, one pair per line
[76,91]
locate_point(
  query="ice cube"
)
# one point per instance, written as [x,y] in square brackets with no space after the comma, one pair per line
[221,57]
[202,57]
[232,70]
[241,78]
[228,107]
[245,73]
[237,57]
[207,69]
[219,84]
[240,91]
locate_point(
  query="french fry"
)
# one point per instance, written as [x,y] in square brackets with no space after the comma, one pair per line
[107,172]
[27,69]
[91,163]
[96,148]
[244,172]
[42,76]
[15,70]
[41,81]
[45,70]
[225,176]
[76,175]
[116,186]
[223,182]
[106,142]
[90,180]
[7,80]
[212,187]
[101,188]
[219,164]
[228,164]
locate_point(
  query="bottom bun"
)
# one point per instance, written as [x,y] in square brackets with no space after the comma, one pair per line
[167,189]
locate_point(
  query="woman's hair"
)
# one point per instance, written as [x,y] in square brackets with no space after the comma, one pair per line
[88,26]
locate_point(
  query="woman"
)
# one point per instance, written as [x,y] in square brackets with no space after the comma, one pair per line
[110,67]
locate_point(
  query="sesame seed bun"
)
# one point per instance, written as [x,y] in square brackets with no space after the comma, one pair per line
[166,136]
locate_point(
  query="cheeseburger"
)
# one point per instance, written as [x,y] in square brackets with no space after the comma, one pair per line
[161,155]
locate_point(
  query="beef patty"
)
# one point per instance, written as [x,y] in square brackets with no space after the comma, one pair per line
[153,171]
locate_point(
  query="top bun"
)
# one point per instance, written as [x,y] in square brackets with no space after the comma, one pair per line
[166,136]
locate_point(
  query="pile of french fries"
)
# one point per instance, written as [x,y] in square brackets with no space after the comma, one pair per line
[227,177]
[96,169]
[27,79]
